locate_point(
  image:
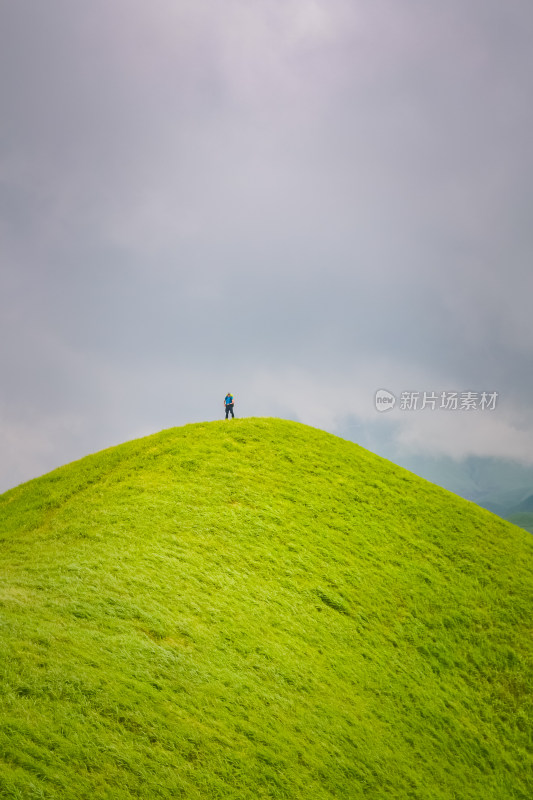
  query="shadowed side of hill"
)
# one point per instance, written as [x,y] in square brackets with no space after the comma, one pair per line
[256,609]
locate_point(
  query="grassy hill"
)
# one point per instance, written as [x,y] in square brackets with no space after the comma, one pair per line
[258,609]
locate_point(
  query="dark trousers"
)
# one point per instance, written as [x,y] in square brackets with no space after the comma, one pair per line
[229,410]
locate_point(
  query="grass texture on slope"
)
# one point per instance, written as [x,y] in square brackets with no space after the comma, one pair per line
[258,609]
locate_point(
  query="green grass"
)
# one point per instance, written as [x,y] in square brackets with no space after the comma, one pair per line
[258,609]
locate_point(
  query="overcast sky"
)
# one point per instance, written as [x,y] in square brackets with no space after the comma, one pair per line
[299,201]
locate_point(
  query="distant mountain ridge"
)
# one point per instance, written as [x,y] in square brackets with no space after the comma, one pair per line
[501,486]
[525,505]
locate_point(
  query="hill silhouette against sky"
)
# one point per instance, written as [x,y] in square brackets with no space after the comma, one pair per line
[258,609]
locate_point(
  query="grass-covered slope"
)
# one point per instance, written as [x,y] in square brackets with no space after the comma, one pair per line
[257,609]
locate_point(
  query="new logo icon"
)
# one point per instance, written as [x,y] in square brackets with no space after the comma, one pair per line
[384,400]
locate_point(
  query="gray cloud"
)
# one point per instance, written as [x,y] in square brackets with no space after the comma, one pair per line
[305,201]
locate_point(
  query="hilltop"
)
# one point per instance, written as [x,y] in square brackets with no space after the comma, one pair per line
[259,609]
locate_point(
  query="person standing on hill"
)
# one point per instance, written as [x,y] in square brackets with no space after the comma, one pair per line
[228,404]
